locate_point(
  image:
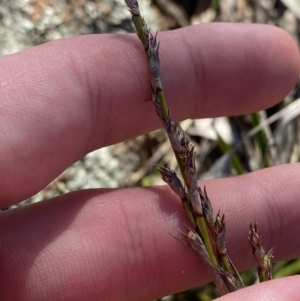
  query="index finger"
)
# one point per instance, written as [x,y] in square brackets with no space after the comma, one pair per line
[65,98]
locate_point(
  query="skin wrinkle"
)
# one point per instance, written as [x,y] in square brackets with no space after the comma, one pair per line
[202,91]
[148,278]
[270,215]
[132,249]
[281,221]
[140,254]
[97,106]
[156,269]
[86,80]
[214,74]
[83,79]
[196,73]
[67,58]
[61,89]
[156,274]
[158,279]
[152,275]
[108,95]
[183,58]
[173,61]
[273,217]
[260,190]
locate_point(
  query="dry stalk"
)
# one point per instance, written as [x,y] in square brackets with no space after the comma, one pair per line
[207,237]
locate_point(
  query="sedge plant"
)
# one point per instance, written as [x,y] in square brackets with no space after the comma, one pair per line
[206,234]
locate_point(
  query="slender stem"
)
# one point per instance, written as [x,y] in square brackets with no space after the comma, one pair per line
[143,36]
[188,213]
[226,264]
[181,167]
[163,103]
[137,20]
[207,241]
[262,276]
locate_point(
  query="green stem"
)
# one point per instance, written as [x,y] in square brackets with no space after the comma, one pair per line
[189,213]
[137,21]
[262,276]
[206,238]
[226,264]
[163,104]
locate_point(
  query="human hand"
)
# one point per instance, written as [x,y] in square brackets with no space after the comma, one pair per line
[63,99]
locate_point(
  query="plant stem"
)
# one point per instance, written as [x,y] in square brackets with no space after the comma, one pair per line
[151,49]
[203,227]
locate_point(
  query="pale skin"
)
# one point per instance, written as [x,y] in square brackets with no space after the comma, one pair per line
[63,99]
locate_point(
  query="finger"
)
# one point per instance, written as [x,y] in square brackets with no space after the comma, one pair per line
[120,243]
[276,290]
[66,98]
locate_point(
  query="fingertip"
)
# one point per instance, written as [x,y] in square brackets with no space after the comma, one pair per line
[271,67]
[275,290]
[284,54]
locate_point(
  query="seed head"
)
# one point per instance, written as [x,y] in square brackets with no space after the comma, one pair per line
[178,138]
[206,205]
[219,232]
[263,260]
[133,7]
[171,178]
[154,64]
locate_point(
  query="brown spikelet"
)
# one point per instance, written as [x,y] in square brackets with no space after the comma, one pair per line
[263,260]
